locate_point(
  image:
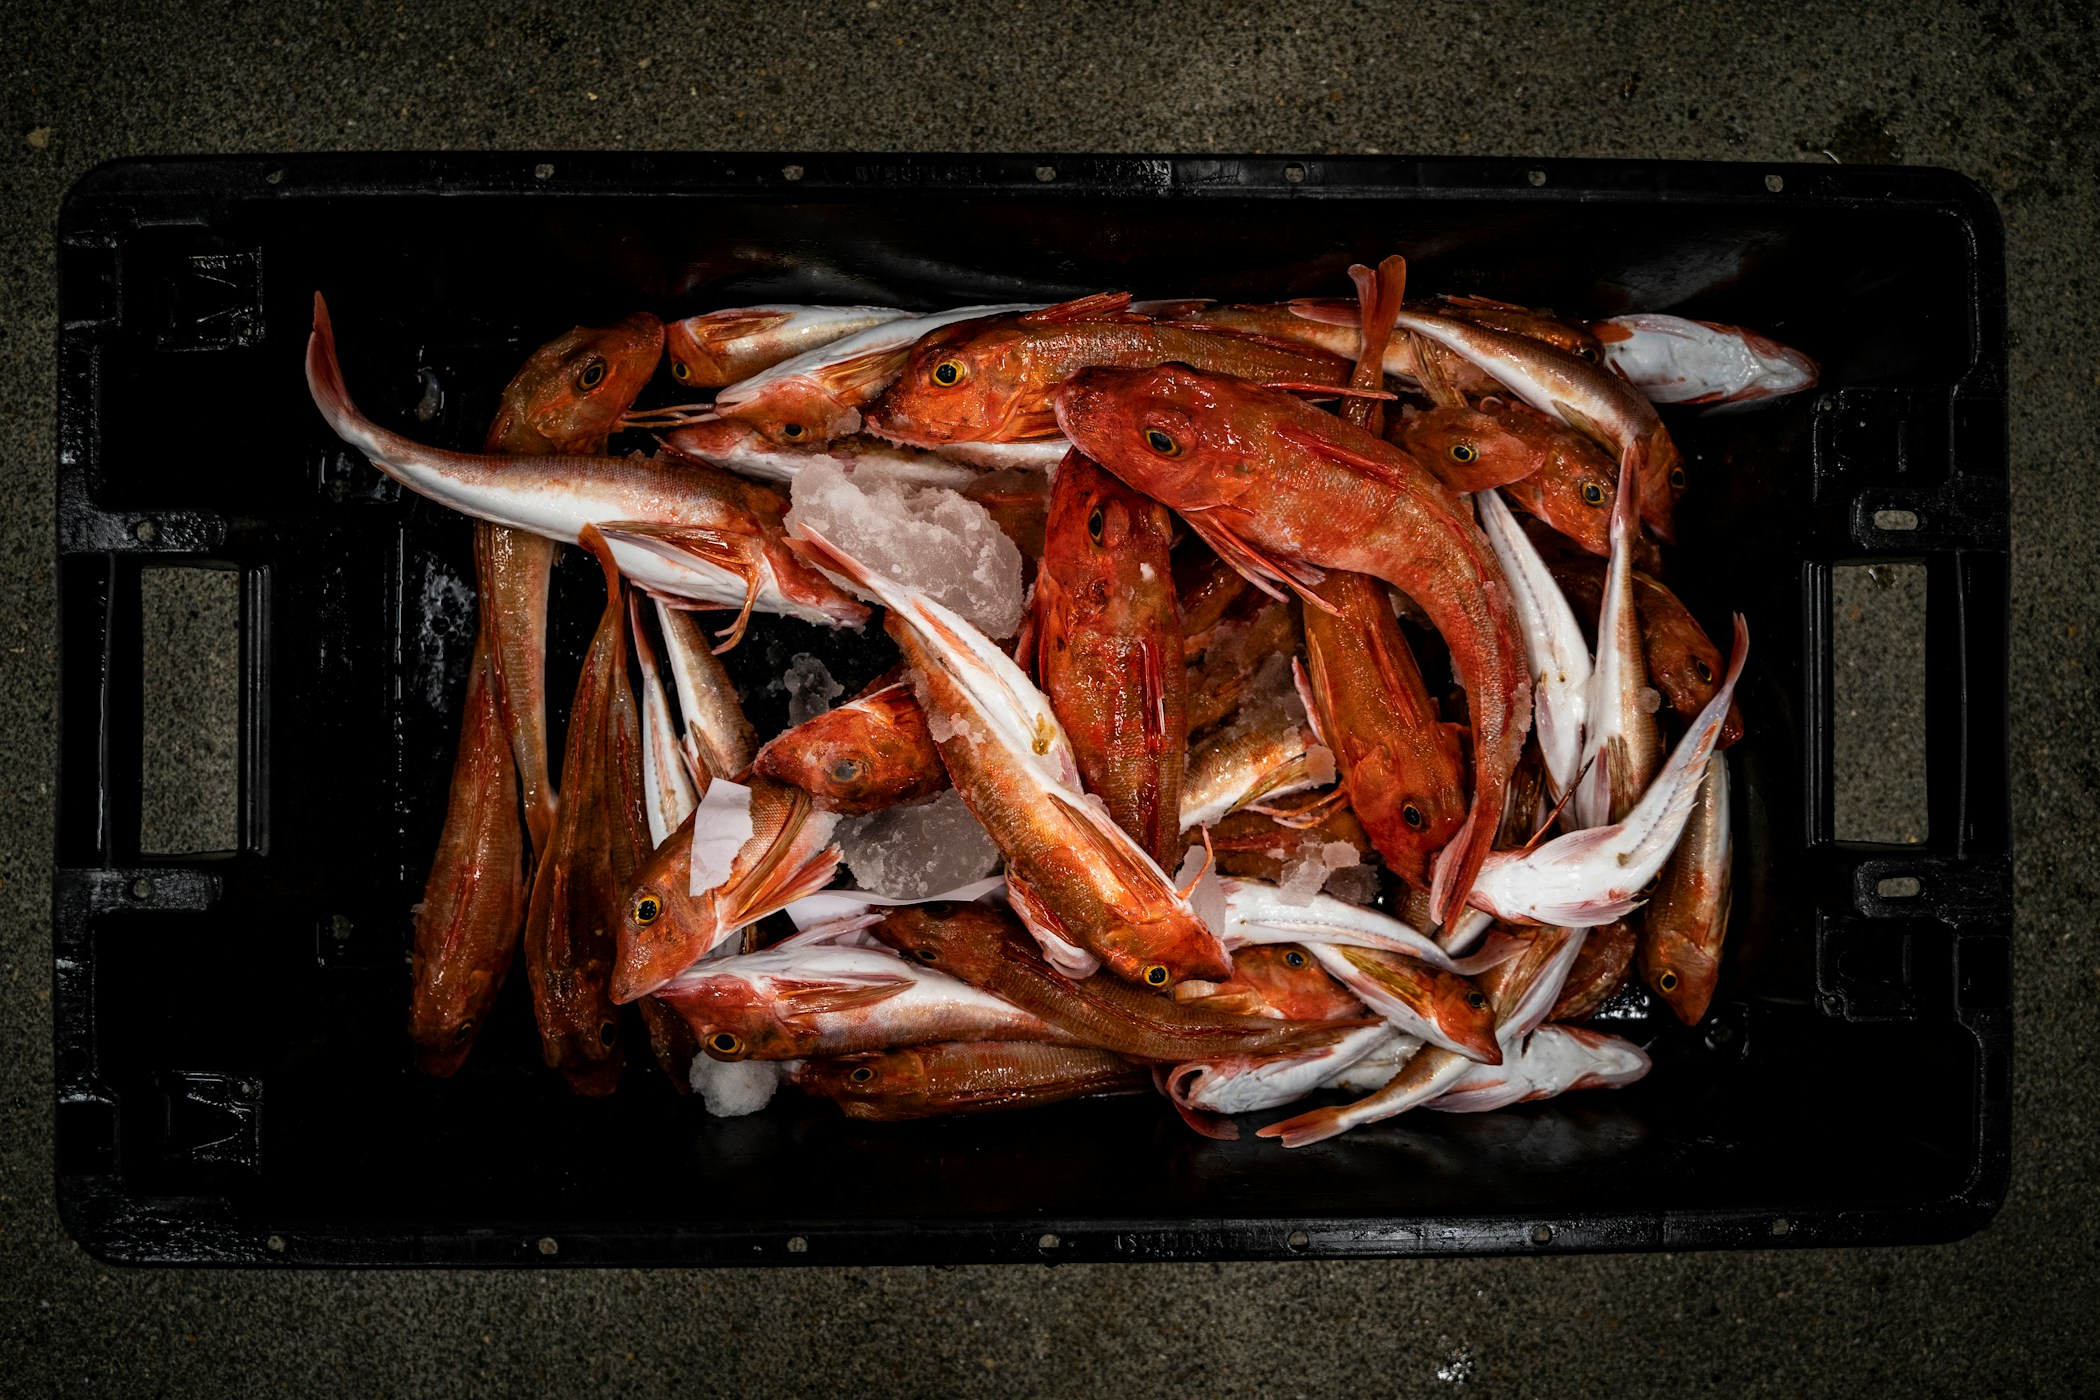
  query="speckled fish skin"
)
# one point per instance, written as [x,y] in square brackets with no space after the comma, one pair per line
[1234,768]
[1399,762]
[1672,360]
[1281,980]
[989,949]
[1440,1007]
[951,1077]
[1275,484]
[600,839]
[795,1003]
[719,348]
[1108,649]
[867,755]
[1255,846]
[677,529]
[1006,370]
[1683,927]
[1088,886]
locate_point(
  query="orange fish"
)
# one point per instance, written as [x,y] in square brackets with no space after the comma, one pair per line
[867,755]
[1683,662]
[600,838]
[1399,763]
[1599,969]
[991,381]
[1549,470]
[1108,647]
[1441,1007]
[1282,490]
[1276,979]
[1684,924]
[720,348]
[1207,588]
[1254,845]
[951,1077]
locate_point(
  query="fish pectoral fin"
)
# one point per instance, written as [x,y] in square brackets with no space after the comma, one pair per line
[1308,698]
[730,550]
[1582,423]
[782,885]
[814,997]
[1328,311]
[1259,568]
[1048,931]
[858,377]
[1099,306]
[1129,868]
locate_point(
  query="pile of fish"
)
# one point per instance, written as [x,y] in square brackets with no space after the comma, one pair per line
[1288,701]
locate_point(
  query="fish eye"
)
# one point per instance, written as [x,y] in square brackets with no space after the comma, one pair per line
[647,908]
[464,1033]
[1414,816]
[607,1033]
[1159,441]
[593,375]
[1654,883]
[846,770]
[949,373]
[1294,958]
[1667,982]
[941,910]
[1156,975]
[1702,670]
[1477,1000]
[861,1074]
[793,430]
[681,371]
[1586,352]
[1592,494]
[1677,477]
[1464,452]
[925,955]
[1093,525]
[725,1045]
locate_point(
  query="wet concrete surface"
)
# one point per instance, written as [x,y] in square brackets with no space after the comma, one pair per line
[2004,93]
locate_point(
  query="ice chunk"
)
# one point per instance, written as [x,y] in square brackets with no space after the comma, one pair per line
[917,852]
[928,537]
[809,686]
[1319,868]
[1302,879]
[737,1087]
[1357,884]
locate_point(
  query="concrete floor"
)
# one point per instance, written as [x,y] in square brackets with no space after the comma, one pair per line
[2006,93]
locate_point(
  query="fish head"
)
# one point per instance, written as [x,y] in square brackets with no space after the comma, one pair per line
[445,1016]
[968,941]
[735,1019]
[863,757]
[795,411]
[573,389]
[662,926]
[1664,486]
[699,347]
[1466,1014]
[1291,983]
[1189,440]
[972,381]
[1161,950]
[1416,819]
[851,1079]
[1468,448]
[1680,972]
[1104,545]
[1578,489]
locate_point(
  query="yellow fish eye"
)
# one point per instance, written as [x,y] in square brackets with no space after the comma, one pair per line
[1156,975]
[593,375]
[1294,958]
[647,908]
[861,1074]
[925,955]
[846,770]
[1093,525]
[681,371]
[1704,671]
[1414,816]
[793,430]
[725,1045]
[949,373]
[1464,452]
[1667,982]
[1592,493]
[607,1033]
[1477,1000]
[1158,440]
[465,1032]
[1677,477]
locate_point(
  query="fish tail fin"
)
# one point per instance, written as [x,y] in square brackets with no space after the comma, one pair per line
[1172,1082]
[1308,1128]
[324,379]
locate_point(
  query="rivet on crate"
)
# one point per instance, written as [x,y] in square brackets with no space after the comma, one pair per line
[1298,1239]
[274,177]
[1781,1226]
[1542,1234]
[340,926]
[275,1244]
[797,1245]
[1294,173]
[141,889]
[1775,183]
[549,1246]
[1046,1242]
[145,532]
[249,1088]
[1537,177]
[790,172]
[543,171]
[1046,173]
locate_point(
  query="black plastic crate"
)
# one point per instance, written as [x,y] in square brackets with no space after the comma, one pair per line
[233,1076]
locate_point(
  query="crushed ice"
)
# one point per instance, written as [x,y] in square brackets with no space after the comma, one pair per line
[734,1088]
[809,686]
[917,852]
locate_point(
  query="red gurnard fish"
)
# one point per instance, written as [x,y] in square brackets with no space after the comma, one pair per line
[998,1076]
[867,755]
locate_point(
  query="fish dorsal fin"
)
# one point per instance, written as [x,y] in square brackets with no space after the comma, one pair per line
[1473,302]
[1328,311]
[1099,306]
[735,323]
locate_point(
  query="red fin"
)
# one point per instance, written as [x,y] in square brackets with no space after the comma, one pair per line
[1308,699]
[1335,452]
[1258,568]
[816,998]
[1480,303]
[1328,311]
[1097,307]
[1211,1125]
[860,376]
[1324,391]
